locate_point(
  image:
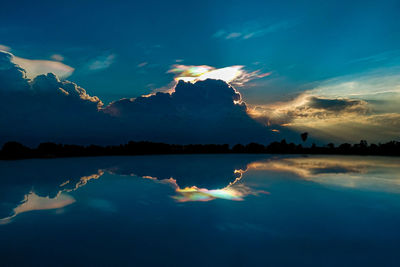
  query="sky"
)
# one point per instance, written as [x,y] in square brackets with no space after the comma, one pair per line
[330,68]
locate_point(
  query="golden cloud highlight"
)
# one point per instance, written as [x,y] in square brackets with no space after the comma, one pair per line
[234,75]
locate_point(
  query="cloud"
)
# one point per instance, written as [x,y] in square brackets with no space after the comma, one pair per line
[234,75]
[359,172]
[205,111]
[143,64]
[5,48]
[47,109]
[43,107]
[337,105]
[34,68]
[333,120]
[102,62]
[233,35]
[57,57]
[199,179]
[33,202]
[254,30]
[309,107]
[343,109]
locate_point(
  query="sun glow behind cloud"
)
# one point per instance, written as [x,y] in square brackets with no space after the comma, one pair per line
[235,75]
[342,109]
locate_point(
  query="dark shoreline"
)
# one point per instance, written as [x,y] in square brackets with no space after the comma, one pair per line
[15,150]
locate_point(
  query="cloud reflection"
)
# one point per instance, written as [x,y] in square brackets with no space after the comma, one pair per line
[357,172]
[199,179]
[235,190]
[33,202]
[196,178]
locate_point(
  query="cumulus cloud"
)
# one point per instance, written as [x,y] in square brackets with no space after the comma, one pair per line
[44,107]
[201,112]
[47,109]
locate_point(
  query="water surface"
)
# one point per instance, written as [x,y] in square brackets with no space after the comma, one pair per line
[209,210]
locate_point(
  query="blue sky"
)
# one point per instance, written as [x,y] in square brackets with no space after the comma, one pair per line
[127,48]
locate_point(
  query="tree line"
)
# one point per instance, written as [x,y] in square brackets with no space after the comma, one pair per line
[15,150]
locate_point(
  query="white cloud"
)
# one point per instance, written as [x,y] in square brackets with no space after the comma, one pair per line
[141,65]
[36,67]
[252,30]
[102,62]
[57,57]
[233,35]
[235,75]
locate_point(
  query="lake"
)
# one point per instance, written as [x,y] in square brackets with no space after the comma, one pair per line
[201,210]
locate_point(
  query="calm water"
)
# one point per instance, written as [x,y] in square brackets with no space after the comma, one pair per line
[208,210]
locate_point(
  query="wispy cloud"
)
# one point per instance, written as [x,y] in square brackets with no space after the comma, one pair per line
[387,56]
[57,57]
[233,35]
[102,62]
[143,64]
[253,30]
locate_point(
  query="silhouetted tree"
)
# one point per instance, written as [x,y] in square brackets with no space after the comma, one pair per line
[15,150]
[304,136]
[331,145]
[238,148]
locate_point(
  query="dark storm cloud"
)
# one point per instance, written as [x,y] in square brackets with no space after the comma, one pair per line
[336,105]
[12,77]
[200,112]
[47,109]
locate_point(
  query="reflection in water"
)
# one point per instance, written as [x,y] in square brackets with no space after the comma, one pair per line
[33,202]
[204,178]
[82,181]
[372,173]
[233,191]
[193,178]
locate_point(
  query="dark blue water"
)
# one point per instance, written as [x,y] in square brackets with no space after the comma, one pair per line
[201,210]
